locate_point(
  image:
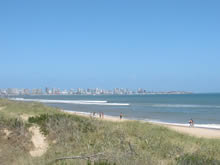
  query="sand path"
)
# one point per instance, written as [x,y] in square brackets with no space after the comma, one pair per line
[39,141]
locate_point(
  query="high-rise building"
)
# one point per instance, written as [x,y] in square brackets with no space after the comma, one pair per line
[12,91]
[3,91]
[48,91]
[21,91]
[64,92]
[26,91]
[72,91]
[37,91]
[55,91]
[140,91]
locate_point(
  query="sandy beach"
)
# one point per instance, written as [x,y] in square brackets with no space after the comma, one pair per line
[197,132]
[106,117]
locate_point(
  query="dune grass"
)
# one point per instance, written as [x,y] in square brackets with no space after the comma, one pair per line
[119,143]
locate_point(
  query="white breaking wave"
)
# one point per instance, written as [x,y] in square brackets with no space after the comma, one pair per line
[212,126]
[88,102]
[184,106]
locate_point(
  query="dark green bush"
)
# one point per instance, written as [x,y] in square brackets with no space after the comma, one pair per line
[41,120]
[48,122]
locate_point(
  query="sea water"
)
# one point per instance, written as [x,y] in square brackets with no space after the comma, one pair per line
[176,109]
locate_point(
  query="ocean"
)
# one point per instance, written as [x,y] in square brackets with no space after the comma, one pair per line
[204,109]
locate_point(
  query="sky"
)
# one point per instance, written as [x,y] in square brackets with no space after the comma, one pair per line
[157,45]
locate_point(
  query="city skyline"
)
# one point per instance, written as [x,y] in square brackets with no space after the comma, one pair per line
[83,91]
[157,45]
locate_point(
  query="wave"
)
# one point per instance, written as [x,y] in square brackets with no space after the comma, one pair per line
[183,106]
[86,102]
[210,126]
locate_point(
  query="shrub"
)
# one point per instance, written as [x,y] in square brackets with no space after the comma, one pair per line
[52,122]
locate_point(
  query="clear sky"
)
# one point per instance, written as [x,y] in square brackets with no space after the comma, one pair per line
[157,44]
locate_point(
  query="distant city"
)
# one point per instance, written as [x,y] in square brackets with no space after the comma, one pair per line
[82,91]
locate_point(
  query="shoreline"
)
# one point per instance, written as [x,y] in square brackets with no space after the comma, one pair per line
[160,119]
[201,132]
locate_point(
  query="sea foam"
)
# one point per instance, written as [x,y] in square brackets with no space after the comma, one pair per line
[87,102]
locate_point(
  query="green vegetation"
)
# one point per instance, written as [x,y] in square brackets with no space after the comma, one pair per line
[95,142]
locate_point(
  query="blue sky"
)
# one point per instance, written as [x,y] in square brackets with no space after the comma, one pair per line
[157,45]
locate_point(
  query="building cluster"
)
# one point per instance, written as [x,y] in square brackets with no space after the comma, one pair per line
[18,91]
[80,91]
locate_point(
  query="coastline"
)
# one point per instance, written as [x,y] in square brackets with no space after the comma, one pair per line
[204,109]
[210,133]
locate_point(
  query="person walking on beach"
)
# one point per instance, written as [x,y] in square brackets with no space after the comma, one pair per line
[120,116]
[191,123]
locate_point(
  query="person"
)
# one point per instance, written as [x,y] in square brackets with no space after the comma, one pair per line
[103,115]
[93,114]
[120,116]
[100,114]
[191,123]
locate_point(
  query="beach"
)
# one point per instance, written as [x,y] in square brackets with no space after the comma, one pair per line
[198,132]
[192,131]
